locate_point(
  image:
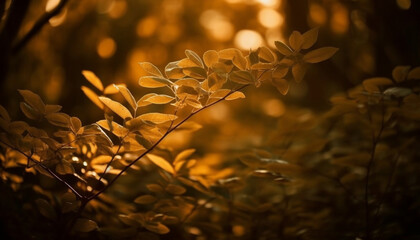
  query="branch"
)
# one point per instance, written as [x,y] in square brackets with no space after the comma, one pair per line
[38,26]
[160,140]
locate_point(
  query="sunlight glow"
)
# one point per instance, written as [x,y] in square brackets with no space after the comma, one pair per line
[270,18]
[339,19]
[51,4]
[248,39]
[273,107]
[317,14]
[217,25]
[118,9]
[147,26]
[106,48]
[59,19]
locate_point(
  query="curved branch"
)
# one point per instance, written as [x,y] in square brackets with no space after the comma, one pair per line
[38,26]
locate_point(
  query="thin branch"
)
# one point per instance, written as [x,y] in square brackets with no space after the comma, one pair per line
[109,163]
[29,157]
[160,140]
[38,26]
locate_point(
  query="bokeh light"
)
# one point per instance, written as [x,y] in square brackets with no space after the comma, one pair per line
[317,14]
[217,25]
[339,18]
[270,18]
[248,39]
[404,4]
[106,47]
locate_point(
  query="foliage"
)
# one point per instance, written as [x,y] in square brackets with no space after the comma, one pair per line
[339,174]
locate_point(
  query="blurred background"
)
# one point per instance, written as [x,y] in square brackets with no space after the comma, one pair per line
[110,37]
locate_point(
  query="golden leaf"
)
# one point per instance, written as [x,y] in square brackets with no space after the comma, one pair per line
[296,41]
[186,62]
[242,77]
[190,82]
[194,57]
[184,155]
[52,108]
[111,89]
[215,82]
[414,73]
[4,114]
[156,188]
[210,57]
[115,128]
[93,97]
[158,228]
[127,95]
[145,199]
[372,84]
[239,61]
[175,189]
[193,103]
[143,100]
[75,124]
[298,72]
[266,55]
[283,48]
[93,79]
[320,54]
[30,112]
[221,93]
[282,85]
[58,119]
[159,99]
[280,71]
[33,100]
[64,168]
[309,38]
[157,118]
[161,162]
[116,107]
[151,69]
[235,95]
[154,82]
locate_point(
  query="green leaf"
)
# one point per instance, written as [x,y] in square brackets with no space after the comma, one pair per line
[33,100]
[154,82]
[84,225]
[161,162]
[283,48]
[116,107]
[319,55]
[127,95]
[92,96]
[93,79]
[309,38]
[210,57]
[296,41]
[151,69]
[145,199]
[242,77]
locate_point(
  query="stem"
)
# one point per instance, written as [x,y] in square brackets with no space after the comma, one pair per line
[109,163]
[160,140]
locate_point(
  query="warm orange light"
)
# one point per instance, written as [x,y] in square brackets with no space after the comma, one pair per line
[59,19]
[272,35]
[169,32]
[270,3]
[248,39]
[238,230]
[51,4]
[106,48]
[146,27]
[339,19]
[404,4]
[118,9]
[317,14]
[270,18]
[273,107]
[217,25]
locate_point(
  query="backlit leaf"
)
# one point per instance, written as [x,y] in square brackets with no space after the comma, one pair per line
[154,82]
[93,79]
[229,53]
[280,71]
[84,225]
[33,100]
[160,99]
[296,41]
[242,77]
[175,189]
[157,118]
[172,71]
[116,107]
[195,72]
[235,95]
[151,69]
[215,82]
[161,162]
[156,188]
[282,85]
[145,199]
[92,96]
[190,82]
[266,55]
[189,126]
[194,57]
[58,119]
[309,38]
[29,111]
[127,95]
[184,155]
[193,103]
[283,48]
[52,108]
[221,93]
[75,124]
[239,61]
[320,54]
[298,72]
[115,128]
[111,89]
[186,63]
[158,228]
[210,57]
[143,100]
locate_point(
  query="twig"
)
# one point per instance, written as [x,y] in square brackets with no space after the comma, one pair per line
[38,26]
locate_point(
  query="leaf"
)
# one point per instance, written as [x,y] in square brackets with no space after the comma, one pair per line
[242,77]
[221,93]
[46,209]
[154,82]
[156,188]
[210,57]
[93,79]
[320,54]
[190,82]
[239,61]
[84,225]
[158,228]
[398,92]
[189,126]
[33,100]
[195,72]
[157,118]
[414,73]
[116,107]
[229,53]
[64,168]
[172,71]
[4,114]
[235,95]
[75,124]
[115,128]
[58,119]
[372,84]
[309,38]
[159,99]
[184,155]
[282,85]
[52,108]
[298,72]
[92,96]
[111,89]
[127,95]
[161,162]
[29,112]
[194,57]
[266,55]
[280,71]
[145,199]
[193,103]
[400,73]
[175,189]
[283,48]
[215,82]
[151,69]
[296,41]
